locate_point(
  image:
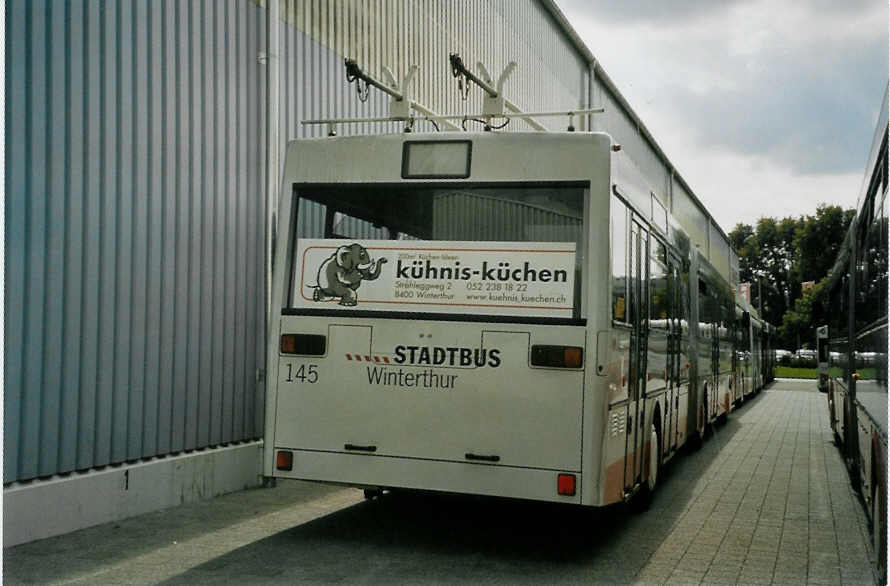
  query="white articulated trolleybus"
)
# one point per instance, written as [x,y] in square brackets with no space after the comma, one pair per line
[755,362]
[509,314]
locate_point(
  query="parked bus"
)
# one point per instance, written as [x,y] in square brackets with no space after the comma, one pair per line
[755,363]
[768,352]
[506,314]
[822,358]
[740,358]
[856,304]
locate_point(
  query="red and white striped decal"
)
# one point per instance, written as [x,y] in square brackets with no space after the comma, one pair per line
[368,358]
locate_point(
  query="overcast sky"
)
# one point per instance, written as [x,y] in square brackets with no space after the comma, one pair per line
[766,107]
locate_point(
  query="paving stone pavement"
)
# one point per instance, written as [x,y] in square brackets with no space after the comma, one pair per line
[766,500]
[774,506]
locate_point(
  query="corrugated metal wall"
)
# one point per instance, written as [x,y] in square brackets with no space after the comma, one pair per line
[134,196]
[693,220]
[134,242]
[550,75]
[662,178]
[471,216]
[624,131]
[718,250]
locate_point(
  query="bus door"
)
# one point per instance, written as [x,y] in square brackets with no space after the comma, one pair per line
[708,358]
[736,362]
[822,357]
[714,367]
[717,394]
[675,359]
[639,295]
[749,354]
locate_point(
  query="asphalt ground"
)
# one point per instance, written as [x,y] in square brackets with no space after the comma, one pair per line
[765,501]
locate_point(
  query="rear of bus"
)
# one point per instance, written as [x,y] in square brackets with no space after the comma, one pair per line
[432,304]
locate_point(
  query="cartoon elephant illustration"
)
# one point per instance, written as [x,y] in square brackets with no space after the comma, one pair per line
[343,272]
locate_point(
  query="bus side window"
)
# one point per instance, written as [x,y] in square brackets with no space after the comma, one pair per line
[658,287]
[619,260]
[703,306]
[682,276]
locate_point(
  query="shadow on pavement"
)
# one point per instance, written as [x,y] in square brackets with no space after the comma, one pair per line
[92,549]
[405,537]
[423,537]
[428,537]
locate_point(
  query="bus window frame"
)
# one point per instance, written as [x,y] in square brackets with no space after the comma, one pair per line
[656,235]
[315,192]
[614,202]
[662,263]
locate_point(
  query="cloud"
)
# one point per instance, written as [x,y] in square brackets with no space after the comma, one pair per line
[766,108]
[795,82]
[691,12]
[743,187]
[636,11]
[787,112]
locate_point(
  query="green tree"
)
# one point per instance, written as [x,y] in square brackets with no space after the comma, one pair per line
[799,323]
[776,255]
[739,236]
[766,256]
[817,241]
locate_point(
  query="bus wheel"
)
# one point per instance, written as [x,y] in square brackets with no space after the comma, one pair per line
[643,499]
[654,458]
[707,429]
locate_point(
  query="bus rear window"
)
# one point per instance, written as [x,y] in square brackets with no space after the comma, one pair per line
[510,215]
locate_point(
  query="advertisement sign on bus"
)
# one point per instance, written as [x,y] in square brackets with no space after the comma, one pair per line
[532,279]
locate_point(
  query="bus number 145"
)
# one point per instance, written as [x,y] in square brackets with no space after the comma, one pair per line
[306,373]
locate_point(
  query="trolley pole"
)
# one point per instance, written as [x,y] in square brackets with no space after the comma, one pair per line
[273,14]
[272,110]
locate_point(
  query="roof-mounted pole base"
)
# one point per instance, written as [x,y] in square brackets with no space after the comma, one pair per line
[399,109]
[493,106]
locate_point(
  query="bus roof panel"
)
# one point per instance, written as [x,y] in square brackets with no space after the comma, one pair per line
[506,157]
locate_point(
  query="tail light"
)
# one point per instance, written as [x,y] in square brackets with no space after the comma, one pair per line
[284,460]
[303,344]
[557,356]
[565,484]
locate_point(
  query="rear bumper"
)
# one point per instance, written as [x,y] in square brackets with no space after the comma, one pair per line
[436,475]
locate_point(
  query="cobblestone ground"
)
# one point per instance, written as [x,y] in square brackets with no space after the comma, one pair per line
[766,501]
[774,506]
